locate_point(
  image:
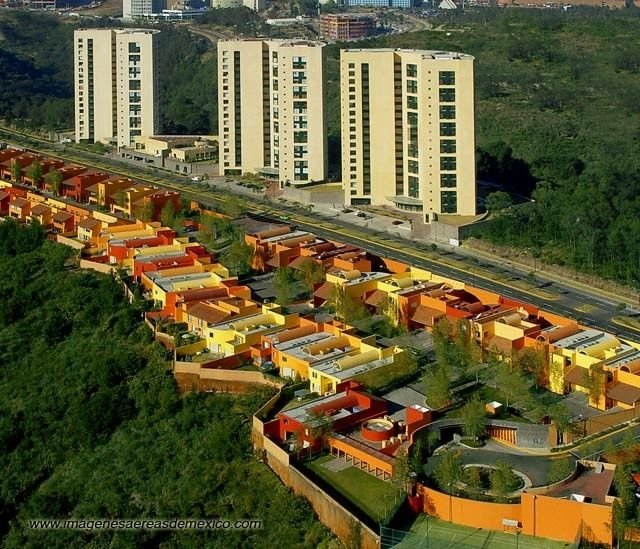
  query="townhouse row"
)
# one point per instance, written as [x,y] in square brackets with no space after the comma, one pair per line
[73,200]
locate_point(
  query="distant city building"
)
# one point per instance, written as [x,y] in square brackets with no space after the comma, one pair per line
[255,5]
[381,3]
[408,130]
[271,109]
[344,26]
[132,9]
[115,85]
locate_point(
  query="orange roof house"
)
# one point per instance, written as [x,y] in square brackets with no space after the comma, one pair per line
[76,186]
[42,214]
[19,208]
[63,223]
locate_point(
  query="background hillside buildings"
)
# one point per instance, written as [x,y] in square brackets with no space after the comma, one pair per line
[271,109]
[115,85]
[408,130]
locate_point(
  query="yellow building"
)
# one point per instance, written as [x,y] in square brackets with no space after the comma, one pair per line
[115,85]
[239,334]
[161,283]
[271,109]
[408,130]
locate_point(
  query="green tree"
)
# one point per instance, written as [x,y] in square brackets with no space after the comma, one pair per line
[320,426]
[531,360]
[145,213]
[54,180]
[310,272]
[466,352]
[513,384]
[16,172]
[168,214]
[560,469]
[232,206]
[561,416]
[237,257]
[445,350]
[34,172]
[594,380]
[498,201]
[474,418]
[284,284]
[503,479]
[437,386]
[473,478]
[448,472]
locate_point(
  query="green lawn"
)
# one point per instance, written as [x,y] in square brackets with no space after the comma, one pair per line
[374,496]
[428,532]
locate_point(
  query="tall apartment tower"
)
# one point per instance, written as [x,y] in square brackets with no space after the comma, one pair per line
[408,130]
[115,85]
[271,116]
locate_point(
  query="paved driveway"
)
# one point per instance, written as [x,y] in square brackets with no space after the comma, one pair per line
[535,467]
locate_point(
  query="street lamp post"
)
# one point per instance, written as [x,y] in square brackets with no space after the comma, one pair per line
[450,504]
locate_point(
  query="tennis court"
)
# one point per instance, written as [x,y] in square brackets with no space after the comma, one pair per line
[428,532]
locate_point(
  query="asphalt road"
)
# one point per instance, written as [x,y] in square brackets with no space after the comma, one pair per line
[590,308]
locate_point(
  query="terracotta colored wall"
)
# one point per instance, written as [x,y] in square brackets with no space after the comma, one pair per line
[477,514]
[538,515]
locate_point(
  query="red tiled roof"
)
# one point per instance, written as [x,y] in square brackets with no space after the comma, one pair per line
[376,298]
[207,313]
[627,394]
[40,209]
[324,291]
[3,195]
[61,217]
[89,223]
[426,315]
[576,375]
[501,344]
[20,202]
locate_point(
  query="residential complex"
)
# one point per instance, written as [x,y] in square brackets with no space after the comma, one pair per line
[271,109]
[115,85]
[408,130]
[346,26]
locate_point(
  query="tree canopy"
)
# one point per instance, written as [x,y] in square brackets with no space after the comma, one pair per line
[92,426]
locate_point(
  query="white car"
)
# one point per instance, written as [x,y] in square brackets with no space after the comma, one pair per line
[196,178]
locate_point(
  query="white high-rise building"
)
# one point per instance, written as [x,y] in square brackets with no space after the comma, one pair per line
[271,116]
[132,9]
[115,85]
[408,136]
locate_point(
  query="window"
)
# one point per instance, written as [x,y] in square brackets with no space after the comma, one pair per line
[134,47]
[299,77]
[412,86]
[448,180]
[447,128]
[299,137]
[299,63]
[300,151]
[447,163]
[449,201]
[448,112]
[447,95]
[447,78]
[413,166]
[299,92]
[134,85]
[412,70]
[414,187]
[448,146]
[412,118]
[412,102]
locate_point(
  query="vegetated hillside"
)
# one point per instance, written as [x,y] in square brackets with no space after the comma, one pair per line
[91,425]
[556,101]
[36,63]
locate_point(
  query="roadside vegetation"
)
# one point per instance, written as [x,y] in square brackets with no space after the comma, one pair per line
[91,424]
